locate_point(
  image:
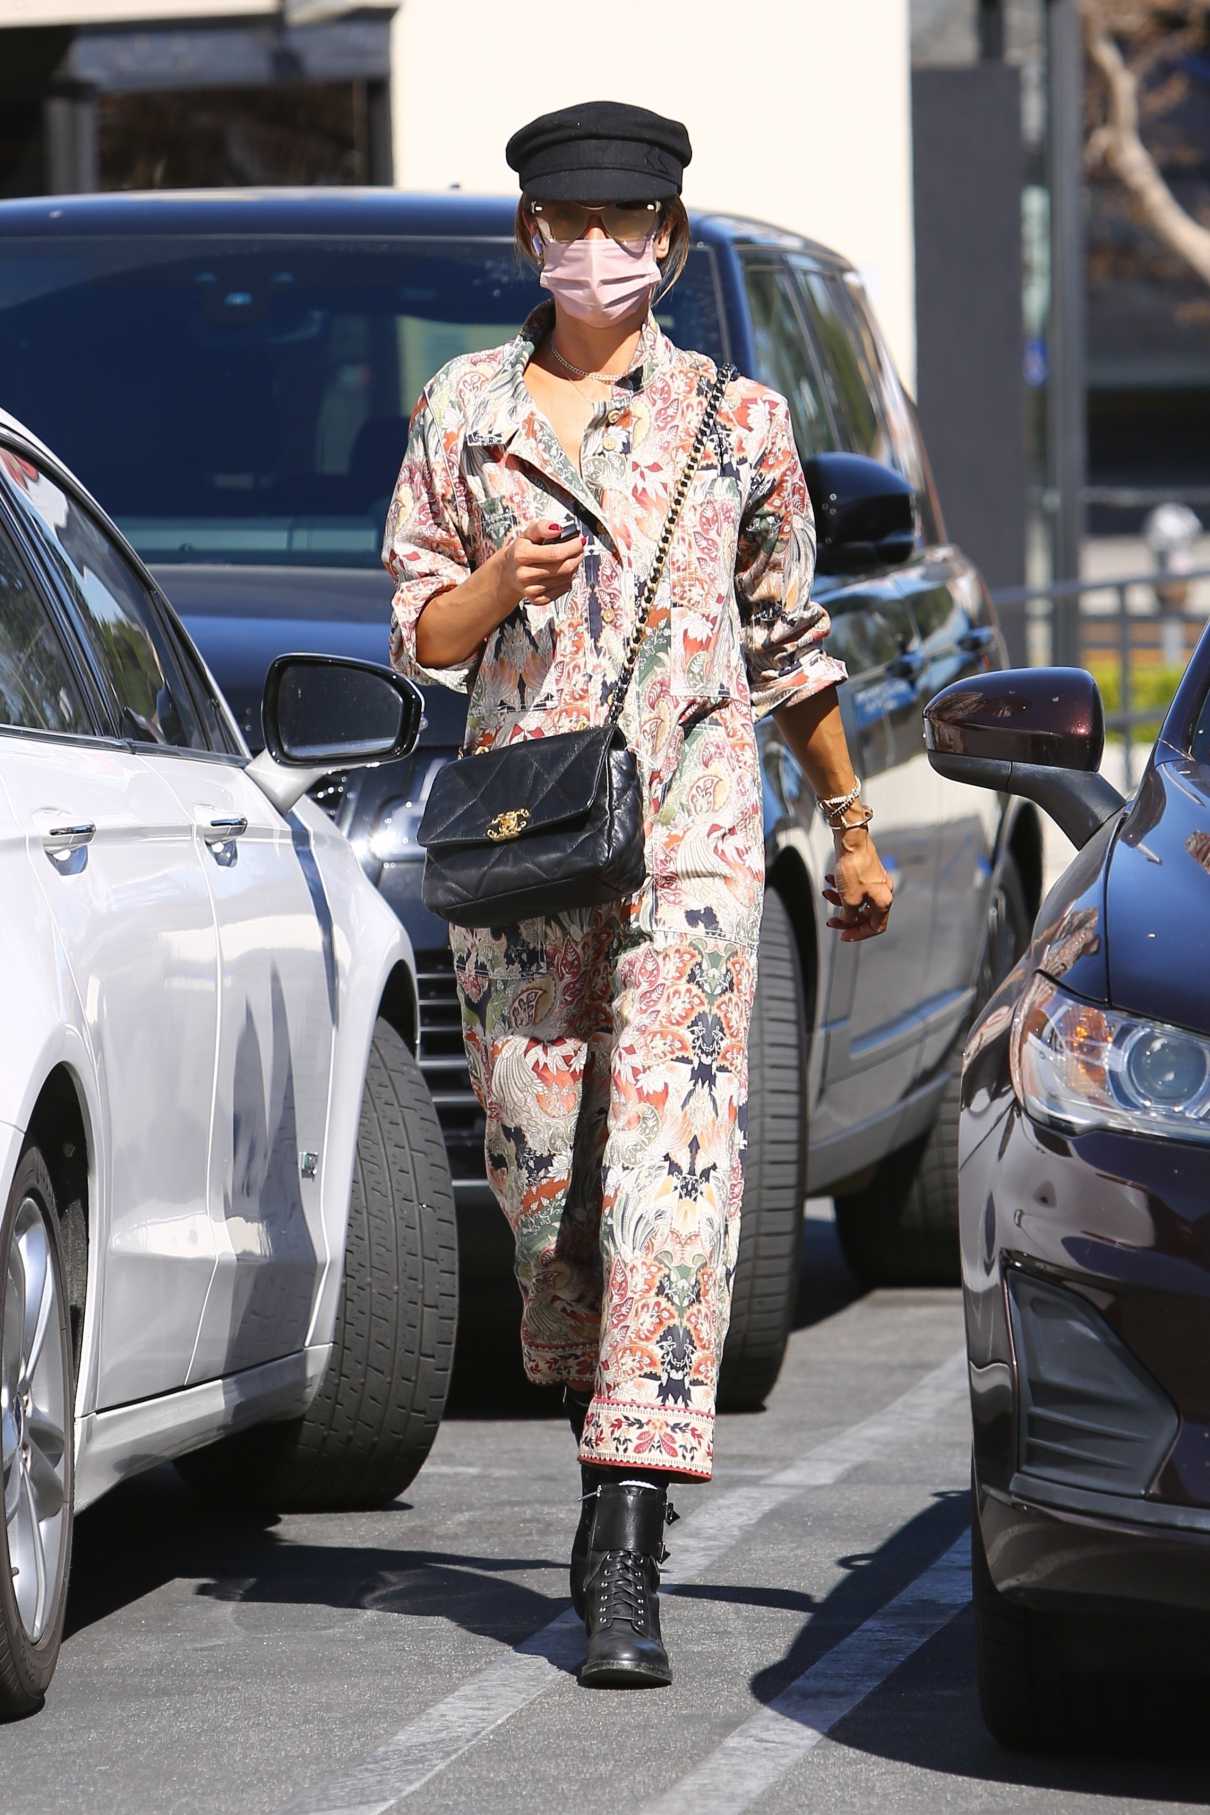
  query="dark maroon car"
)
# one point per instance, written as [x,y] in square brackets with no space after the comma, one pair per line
[1084,1191]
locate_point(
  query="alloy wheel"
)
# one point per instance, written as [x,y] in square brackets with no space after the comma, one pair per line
[33,1420]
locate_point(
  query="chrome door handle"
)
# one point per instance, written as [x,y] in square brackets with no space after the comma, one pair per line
[69,838]
[220,831]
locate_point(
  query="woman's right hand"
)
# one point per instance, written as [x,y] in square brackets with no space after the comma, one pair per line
[535,567]
[457,622]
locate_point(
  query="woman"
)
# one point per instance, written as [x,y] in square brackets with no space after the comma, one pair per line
[608,1046]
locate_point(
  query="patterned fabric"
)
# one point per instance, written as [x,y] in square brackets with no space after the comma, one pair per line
[608,1046]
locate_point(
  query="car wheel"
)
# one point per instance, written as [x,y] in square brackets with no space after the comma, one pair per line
[369,1429]
[765,1287]
[36,1412]
[1092,1680]
[1012,1661]
[901,1229]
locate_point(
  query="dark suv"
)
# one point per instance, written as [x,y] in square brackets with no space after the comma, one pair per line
[233,374]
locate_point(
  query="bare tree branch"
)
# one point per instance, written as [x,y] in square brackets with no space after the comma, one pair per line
[1117,142]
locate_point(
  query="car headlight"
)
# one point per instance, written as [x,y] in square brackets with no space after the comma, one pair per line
[1078,1066]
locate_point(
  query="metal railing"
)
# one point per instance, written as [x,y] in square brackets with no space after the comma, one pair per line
[1141,621]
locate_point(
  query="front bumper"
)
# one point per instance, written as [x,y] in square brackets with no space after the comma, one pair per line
[1086,1275]
[1094,1551]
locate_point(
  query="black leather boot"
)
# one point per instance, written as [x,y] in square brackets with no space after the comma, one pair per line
[576,1406]
[621,1587]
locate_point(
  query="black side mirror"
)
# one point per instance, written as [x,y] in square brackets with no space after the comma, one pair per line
[865,515]
[327,711]
[1036,732]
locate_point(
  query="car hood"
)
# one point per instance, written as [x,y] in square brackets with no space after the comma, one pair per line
[1157,897]
[241,617]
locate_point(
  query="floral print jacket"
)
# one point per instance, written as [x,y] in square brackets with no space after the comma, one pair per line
[733,615]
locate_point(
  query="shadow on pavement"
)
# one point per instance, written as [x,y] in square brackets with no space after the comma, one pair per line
[146,1532]
[464,1590]
[825,1285]
[926,1714]
[155,1530]
[871,1580]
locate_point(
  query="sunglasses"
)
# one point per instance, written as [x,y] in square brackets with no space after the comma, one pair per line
[625,222]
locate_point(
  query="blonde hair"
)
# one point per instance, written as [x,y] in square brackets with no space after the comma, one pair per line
[674,218]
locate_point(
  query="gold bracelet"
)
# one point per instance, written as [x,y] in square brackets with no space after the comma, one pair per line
[853,825]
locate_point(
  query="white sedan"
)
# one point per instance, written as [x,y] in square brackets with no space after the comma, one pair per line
[225,1198]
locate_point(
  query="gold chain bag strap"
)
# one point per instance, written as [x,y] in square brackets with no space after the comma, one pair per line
[649,586]
[551,823]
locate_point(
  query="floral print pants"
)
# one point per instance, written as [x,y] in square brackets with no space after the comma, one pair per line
[611,1063]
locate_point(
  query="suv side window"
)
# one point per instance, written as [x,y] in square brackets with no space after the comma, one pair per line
[909,457]
[783,358]
[852,394]
[120,619]
[867,395]
[38,691]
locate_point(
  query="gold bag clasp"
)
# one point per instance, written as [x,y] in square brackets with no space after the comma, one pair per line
[507,825]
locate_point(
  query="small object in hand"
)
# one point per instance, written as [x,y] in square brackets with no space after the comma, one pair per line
[566,529]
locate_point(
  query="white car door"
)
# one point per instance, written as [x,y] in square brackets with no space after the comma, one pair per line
[276,1030]
[277,1024]
[276,974]
[114,858]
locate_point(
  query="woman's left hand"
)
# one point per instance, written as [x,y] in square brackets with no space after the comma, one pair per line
[859,886]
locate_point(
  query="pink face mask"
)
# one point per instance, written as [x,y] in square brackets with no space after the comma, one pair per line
[598,281]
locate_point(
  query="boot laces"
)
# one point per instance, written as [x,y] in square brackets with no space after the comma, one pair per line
[622,1594]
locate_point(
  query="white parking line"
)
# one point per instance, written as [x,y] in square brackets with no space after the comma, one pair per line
[765,1747]
[460,1720]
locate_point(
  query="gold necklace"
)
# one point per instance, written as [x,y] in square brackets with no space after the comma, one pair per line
[579,372]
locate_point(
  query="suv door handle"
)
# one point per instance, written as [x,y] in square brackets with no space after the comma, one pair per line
[907,665]
[221,831]
[977,639]
[69,837]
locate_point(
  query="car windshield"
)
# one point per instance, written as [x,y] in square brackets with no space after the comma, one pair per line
[246,399]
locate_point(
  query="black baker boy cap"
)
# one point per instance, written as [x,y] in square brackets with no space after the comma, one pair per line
[600,151]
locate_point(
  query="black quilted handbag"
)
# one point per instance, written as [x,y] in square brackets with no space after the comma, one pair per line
[552,822]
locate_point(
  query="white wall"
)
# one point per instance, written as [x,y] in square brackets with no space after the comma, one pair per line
[798,109]
[126,12]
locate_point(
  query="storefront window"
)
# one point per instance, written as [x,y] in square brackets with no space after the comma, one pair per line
[219,138]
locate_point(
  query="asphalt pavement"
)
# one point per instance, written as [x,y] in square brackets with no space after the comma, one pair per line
[424,1657]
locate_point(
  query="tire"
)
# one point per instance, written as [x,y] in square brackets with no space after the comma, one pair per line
[901,1229]
[765,1287]
[1101,1680]
[37,1403]
[370,1427]
[1016,1686]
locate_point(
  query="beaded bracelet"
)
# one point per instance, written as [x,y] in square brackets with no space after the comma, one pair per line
[835,807]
